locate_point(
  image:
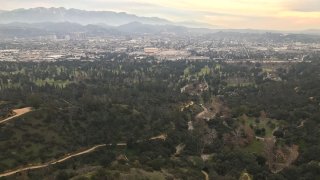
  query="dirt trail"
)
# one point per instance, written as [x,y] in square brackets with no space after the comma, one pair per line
[186,106]
[17,112]
[204,113]
[161,136]
[302,124]
[78,154]
[179,149]
[245,176]
[206,175]
[211,109]
[190,126]
[68,156]
[9,173]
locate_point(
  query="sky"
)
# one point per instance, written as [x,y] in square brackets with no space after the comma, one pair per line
[237,14]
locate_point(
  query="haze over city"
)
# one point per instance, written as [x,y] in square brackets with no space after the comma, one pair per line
[236,14]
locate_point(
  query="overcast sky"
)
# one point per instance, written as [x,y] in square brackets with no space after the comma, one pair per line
[257,14]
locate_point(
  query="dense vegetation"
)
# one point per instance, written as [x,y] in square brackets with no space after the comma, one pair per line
[228,120]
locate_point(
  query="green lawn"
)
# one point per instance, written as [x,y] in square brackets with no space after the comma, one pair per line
[240,84]
[52,82]
[255,147]
[268,124]
[142,174]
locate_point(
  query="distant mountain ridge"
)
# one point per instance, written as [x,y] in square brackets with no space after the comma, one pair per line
[61,20]
[312,31]
[60,28]
[137,27]
[40,15]
[12,30]
[25,30]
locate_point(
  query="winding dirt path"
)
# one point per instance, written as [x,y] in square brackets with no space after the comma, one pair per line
[302,124]
[212,109]
[18,112]
[78,154]
[65,158]
[206,175]
[187,106]
[68,156]
[161,137]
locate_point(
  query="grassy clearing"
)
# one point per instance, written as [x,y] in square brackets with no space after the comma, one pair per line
[4,102]
[263,123]
[240,84]
[267,70]
[204,71]
[142,174]
[255,147]
[22,71]
[269,125]
[52,82]
[133,173]
[10,86]
[189,72]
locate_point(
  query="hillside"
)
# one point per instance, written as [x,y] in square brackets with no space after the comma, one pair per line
[40,15]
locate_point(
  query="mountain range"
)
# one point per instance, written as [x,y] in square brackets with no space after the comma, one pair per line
[40,15]
[63,28]
[62,20]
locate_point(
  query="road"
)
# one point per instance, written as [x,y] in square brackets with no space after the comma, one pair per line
[18,112]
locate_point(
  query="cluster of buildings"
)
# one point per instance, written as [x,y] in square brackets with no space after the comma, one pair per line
[78,46]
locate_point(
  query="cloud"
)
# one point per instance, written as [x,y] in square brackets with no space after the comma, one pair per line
[303,5]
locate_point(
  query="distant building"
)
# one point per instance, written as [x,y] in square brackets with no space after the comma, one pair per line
[198,58]
[151,50]
[78,36]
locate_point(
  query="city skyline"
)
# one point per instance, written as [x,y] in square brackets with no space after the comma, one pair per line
[236,14]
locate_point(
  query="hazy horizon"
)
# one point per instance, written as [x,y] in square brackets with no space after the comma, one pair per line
[234,14]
